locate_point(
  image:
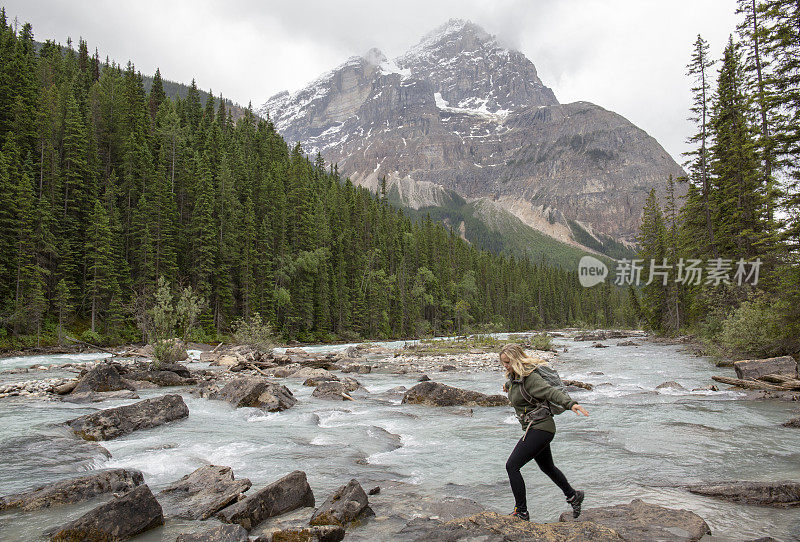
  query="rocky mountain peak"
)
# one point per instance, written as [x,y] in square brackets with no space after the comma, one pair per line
[459,113]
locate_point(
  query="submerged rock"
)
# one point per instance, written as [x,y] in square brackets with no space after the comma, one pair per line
[639,521]
[343,507]
[436,394]
[290,492]
[779,494]
[202,493]
[124,517]
[48,456]
[578,384]
[74,490]
[254,391]
[494,527]
[115,422]
[756,368]
[794,422]
[221,533]
[670,385]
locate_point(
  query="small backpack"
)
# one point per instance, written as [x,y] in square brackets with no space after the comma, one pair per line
[550,376]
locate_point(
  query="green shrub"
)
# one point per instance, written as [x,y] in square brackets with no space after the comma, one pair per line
[91,337]
[169,321]
[757,328]
[541,341]
[255,332]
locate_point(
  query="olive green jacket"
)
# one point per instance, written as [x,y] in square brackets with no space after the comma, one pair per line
[538,388]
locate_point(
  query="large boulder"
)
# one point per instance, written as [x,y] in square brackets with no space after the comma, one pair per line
[494,527]
[343,507]
[778,494]
[114,422]
[756,368]
[74,490]
[258,392]
[102,377]
[220,533]
[286,494]
[436,394]
[124,517]
[336,390]
[639,521]
[202,493]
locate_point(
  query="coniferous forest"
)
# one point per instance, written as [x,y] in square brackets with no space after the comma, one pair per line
[742,201]
[107,188]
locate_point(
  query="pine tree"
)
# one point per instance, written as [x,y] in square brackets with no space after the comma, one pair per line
[702,236]
[99,255]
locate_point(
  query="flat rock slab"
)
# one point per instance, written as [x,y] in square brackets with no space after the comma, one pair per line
[779,494]
[644,522]
[436,394]
[222,533]
[320,533]
[286,494]
[74,490]
[253,391]
[124,517]
[115,422]
[494,527]
[343,507]
[756,368]
[202,493]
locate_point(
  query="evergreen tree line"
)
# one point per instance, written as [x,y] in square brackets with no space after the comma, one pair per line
[742,200]
[108,188]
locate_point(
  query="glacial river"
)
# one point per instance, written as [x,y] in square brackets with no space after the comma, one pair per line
[638,442]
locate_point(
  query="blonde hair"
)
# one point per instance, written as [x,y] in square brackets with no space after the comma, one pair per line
[520,363]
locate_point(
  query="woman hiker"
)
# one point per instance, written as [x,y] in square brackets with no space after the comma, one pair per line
[539,425]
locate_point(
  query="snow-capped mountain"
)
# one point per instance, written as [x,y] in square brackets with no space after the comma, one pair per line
[460,113]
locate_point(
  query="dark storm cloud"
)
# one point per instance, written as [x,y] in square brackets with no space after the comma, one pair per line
[625,55]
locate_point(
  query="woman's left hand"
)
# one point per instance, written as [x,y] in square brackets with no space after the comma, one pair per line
[578,409]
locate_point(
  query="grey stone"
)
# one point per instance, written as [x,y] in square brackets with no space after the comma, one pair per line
[639,521]
[74,490]
[779,494]
[124,517]
[756,368]
[343,506]
[115,422]
[436,394]
[286,494]
[202,493]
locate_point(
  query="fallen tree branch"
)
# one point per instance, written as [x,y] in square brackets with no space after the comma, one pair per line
[747,384]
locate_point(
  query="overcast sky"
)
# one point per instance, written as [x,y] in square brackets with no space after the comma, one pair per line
[625,55]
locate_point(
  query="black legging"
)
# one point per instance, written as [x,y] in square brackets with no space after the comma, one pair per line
[535,446]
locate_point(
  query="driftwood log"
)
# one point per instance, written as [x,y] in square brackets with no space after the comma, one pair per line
[786,385]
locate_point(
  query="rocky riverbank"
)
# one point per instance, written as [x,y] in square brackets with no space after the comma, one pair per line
[220,506]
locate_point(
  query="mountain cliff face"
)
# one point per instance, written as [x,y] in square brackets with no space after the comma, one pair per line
[459,112]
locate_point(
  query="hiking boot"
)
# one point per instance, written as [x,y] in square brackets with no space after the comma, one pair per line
[575,501]
[521,514]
